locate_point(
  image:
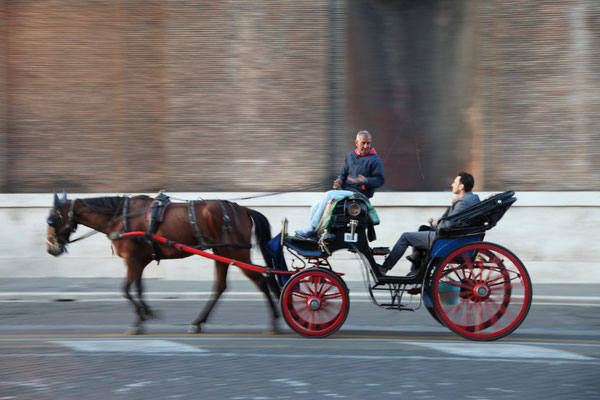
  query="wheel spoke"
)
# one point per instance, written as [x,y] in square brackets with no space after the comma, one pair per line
[300,294]
[324,289]
[332,296]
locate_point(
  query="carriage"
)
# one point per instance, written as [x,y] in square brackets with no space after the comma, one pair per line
[477,289]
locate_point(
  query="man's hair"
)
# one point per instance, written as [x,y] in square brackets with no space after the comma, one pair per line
[366,133]
[467,180]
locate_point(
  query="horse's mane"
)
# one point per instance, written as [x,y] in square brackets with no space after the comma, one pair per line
[108,204]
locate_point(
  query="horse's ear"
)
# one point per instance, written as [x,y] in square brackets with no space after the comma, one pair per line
[56,201]
[64,196]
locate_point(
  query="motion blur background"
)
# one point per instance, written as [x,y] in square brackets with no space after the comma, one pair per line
[141,95]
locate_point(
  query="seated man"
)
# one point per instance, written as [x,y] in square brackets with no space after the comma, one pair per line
[362,172]
[463,199]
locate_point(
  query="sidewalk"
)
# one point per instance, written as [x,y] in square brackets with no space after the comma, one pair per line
[75,289]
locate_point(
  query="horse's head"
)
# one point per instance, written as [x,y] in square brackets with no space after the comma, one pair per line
[60,225]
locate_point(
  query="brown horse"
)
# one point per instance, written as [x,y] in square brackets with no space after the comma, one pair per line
[224,227]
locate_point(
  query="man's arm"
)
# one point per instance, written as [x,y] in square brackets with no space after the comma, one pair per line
[376,176]
[343,175]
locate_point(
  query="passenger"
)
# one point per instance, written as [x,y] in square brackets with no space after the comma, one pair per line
[362,173]
[463,198]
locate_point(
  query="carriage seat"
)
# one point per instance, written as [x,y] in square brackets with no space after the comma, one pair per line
[476,219]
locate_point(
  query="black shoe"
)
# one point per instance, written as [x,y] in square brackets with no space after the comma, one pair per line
[382,270]
[413,271]
[328,237]
[414,258]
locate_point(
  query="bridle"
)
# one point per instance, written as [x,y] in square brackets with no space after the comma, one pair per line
[71,225]
[54,221]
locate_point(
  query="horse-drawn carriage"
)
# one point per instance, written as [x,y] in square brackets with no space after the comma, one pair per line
[477,289]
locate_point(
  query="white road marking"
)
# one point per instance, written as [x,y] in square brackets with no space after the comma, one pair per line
[290,382]
[128,346]
[500,350]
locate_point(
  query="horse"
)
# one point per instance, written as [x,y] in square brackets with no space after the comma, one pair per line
[222,226]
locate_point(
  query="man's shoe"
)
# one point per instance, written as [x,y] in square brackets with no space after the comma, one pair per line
[413,271]
[328,237]
[382,270]
[306,232]
[414,257]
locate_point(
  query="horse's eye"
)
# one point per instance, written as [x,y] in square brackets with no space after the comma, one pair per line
[51,222]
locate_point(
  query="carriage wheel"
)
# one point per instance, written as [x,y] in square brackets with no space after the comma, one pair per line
[315,302]
[481,291]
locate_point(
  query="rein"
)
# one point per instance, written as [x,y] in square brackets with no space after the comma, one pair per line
[71,226]
[297,189]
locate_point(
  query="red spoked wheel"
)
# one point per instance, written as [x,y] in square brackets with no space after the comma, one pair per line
[481,291]
[315,302]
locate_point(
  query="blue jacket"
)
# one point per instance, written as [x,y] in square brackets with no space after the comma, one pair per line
[370,166]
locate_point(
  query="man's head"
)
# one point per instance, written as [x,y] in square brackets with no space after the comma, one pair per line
[363,142]
[463,183]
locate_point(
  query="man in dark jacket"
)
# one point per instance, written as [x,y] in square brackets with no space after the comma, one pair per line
[463,199]
[362,173]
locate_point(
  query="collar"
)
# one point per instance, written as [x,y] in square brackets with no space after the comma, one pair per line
[372,151]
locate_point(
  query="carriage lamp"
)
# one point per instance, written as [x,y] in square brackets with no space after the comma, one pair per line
[354,209]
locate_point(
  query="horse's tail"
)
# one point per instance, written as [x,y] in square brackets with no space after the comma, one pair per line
[262,230]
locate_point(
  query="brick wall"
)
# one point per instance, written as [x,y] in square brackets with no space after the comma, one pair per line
[3,98]
[539,67]
[238,95]
[143,95]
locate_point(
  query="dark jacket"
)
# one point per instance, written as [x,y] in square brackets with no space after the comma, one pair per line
[369,165]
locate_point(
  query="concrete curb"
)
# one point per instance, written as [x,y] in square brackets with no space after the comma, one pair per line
[232,296]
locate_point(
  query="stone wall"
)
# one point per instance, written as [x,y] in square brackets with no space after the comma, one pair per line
[553,252]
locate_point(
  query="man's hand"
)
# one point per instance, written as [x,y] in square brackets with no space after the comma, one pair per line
[357,181]
[337,184]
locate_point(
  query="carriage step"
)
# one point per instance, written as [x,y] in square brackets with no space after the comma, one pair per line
[400,307]
[389,279]
[380,251]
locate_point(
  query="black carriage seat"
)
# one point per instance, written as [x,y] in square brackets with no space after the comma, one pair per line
[308,248]
[476,219]
[468,226]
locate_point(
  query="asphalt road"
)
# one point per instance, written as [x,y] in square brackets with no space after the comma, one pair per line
[78,350]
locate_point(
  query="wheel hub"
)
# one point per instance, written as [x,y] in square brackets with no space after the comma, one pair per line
[481,291]
[314,303]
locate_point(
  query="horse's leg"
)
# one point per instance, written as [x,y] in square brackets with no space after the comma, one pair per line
[261,283]
[219,286]
[134,275]
[145,308]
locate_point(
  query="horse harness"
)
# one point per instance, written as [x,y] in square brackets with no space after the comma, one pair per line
[156,212]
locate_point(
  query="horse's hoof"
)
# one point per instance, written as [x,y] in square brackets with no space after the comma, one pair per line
[273,330]
[134,330]
[152,314]
[193,328]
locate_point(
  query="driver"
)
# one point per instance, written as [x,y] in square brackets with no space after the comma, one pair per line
[362,173]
